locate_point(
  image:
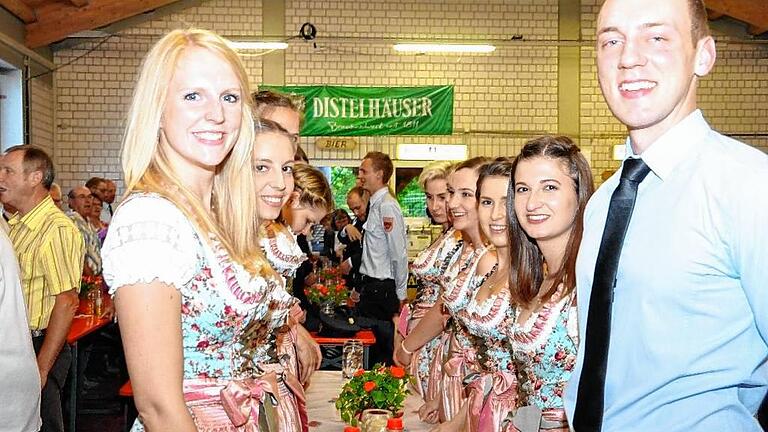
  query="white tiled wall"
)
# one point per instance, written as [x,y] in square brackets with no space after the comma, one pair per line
[501,99]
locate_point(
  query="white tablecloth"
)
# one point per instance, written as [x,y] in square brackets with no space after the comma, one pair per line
[322,413]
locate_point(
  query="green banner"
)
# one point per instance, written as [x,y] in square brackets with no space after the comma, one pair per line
[361,111]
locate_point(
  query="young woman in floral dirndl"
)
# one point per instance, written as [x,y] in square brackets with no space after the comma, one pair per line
[551,184]
[458,359]
[492,391]
[309,200]
[181,257]
[428,268]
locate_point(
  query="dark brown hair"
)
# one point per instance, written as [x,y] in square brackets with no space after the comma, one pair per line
[265,100]
[381,162]
[94,182]
[500,167]
[527,263]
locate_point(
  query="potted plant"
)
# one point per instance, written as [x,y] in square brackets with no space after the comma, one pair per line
[382,388]
[329,291]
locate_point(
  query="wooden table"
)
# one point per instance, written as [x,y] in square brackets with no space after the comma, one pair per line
[322,414]
[82,326]
[365,337]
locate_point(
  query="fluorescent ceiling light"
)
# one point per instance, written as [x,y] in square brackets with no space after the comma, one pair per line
[253,45]
[432,152]
[443,48]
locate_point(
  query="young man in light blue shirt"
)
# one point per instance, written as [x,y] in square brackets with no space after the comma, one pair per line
[384,266]
[689,316]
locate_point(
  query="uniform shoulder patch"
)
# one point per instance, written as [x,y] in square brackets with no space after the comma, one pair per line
[388,222]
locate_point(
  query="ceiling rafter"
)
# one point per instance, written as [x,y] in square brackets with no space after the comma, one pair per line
[17,7]
[56,21]
[752,12]
[712,15]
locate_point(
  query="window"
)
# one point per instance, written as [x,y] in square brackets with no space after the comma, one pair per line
[11,107]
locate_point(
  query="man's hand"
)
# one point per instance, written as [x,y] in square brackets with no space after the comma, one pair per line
[346,267]
[310,279]
[353,233]
[354,296]
[308,354]
[43,376]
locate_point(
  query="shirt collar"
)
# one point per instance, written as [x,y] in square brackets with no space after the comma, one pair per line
[75,215]
[379,195]
[674,146]
[36,216]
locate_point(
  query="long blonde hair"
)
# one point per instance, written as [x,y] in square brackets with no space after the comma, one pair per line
[233,220]
[312,187]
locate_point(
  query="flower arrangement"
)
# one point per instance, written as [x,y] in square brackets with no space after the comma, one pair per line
[382,387]
[90,282]
[329,288]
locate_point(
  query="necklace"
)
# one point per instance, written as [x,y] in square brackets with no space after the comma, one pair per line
[496,280]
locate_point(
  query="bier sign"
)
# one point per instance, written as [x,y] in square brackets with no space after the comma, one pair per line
[362,111]
[336,143]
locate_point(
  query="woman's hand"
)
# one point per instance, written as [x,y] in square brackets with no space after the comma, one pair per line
[401,358]
[308,354]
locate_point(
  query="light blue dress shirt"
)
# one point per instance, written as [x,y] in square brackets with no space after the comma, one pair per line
[689,329]
[385,250]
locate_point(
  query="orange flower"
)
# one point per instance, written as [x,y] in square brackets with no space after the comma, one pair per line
[359,372]
[397,372]
[369,386]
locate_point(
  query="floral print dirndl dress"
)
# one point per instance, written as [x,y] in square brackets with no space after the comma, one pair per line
[459,358]
[219,299]
[544,352]
[492,390]
[428,268]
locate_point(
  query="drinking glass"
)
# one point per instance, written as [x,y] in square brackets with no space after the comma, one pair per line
[351,358]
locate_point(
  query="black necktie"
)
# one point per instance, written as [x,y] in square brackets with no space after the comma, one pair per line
[109,206]
[588,416]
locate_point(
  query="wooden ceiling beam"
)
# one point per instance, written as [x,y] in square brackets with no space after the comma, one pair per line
[79,3]
[755,30]
[712,15]
[752,12]
[57,21]
[25,13]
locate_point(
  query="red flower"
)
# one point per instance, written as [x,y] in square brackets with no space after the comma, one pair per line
[203,344]
[397,372]
[369,386]
[559,355]
[359,372]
